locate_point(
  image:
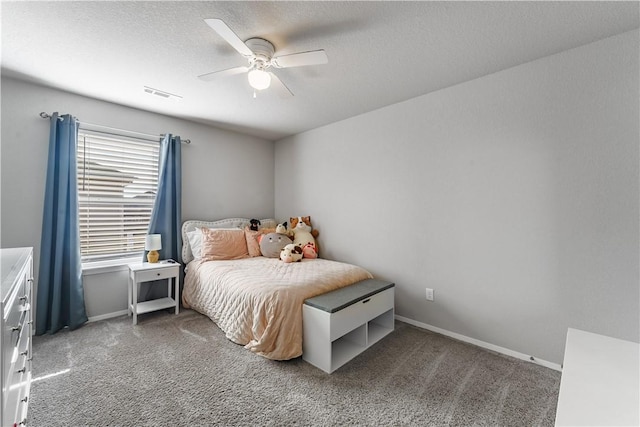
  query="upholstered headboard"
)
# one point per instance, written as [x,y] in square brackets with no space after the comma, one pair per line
[191,225]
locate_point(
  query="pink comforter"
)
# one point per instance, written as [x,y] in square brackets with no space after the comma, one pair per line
[257,302]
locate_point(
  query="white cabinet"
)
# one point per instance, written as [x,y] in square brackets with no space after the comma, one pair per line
[339,325]
[600,383]
[15,346]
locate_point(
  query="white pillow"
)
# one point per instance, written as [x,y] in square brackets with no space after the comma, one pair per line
[195,240]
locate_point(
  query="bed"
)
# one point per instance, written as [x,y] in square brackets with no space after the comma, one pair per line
[257,301]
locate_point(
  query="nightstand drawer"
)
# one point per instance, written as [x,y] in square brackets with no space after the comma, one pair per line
[156,274]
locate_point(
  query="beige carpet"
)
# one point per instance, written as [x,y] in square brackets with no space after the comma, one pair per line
[180,370]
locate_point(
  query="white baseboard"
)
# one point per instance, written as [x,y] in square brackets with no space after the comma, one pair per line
[482,344]
[107,316]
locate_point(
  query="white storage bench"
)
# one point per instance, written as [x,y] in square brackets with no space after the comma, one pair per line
[339,325]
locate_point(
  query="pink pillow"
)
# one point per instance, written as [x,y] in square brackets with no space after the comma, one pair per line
[223,244]
[253,239]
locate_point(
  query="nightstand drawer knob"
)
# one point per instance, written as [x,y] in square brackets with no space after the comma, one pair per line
[158,274]
[22,371]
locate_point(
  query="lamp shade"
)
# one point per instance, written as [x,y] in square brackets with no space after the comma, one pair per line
[153,242]
[259,79]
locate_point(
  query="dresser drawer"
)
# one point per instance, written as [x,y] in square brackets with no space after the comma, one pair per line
[18,371]
[15,344]
[359,313]
[24,342]
[16,317]
[17,388]
[147,276]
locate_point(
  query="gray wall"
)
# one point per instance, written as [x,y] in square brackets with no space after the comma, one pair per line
[213,184]
[514,196]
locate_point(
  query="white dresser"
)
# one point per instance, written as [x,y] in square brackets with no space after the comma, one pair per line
[16,270]
[600,383]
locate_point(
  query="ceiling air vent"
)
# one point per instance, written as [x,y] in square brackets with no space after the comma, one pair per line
[160,93]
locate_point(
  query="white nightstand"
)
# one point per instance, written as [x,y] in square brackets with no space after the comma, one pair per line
[147,272]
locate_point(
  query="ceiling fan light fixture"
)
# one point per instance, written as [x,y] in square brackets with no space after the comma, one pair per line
[260,54]
[259,79]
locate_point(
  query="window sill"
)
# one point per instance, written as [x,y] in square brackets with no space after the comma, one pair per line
[100,267]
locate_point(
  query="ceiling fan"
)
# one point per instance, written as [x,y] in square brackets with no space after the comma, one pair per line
[259,52]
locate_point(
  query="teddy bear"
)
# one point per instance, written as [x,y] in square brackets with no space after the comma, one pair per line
[304,236]
[291,253]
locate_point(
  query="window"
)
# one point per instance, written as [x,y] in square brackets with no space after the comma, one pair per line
[117,184]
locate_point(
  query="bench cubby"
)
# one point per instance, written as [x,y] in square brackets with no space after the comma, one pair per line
[339,325]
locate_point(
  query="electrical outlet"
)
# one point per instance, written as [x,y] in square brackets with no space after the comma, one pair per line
[429,294]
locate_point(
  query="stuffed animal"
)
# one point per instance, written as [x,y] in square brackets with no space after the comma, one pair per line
[271,244]
[303,236]
[282,229]
[307,220]
[291,253]
[310,251]
[255,223]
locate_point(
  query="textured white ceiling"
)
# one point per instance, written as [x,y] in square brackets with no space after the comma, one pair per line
[379,53]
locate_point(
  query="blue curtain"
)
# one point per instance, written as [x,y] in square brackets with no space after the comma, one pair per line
[60,295]
[166,216]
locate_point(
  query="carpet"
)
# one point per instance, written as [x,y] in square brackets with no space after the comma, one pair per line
[181,370]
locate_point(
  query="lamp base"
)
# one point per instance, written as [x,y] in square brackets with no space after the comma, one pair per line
[153,256]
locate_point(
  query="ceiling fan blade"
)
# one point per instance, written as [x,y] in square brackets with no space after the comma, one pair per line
[313,57]
[223,73]
[226,33]
[279,87]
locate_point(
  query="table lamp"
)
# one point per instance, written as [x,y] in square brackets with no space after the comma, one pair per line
[153,243]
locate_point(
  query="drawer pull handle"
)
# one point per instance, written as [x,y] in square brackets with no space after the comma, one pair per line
[15,329]
[366,301]
[24,298]
[22,371]
[158,274]
[23,422]
[30,359]
[24,353]
[30,279]
[26,399]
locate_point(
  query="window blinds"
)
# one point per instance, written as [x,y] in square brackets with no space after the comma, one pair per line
[117,184]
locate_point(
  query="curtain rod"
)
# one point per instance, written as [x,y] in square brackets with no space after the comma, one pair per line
[48,116]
